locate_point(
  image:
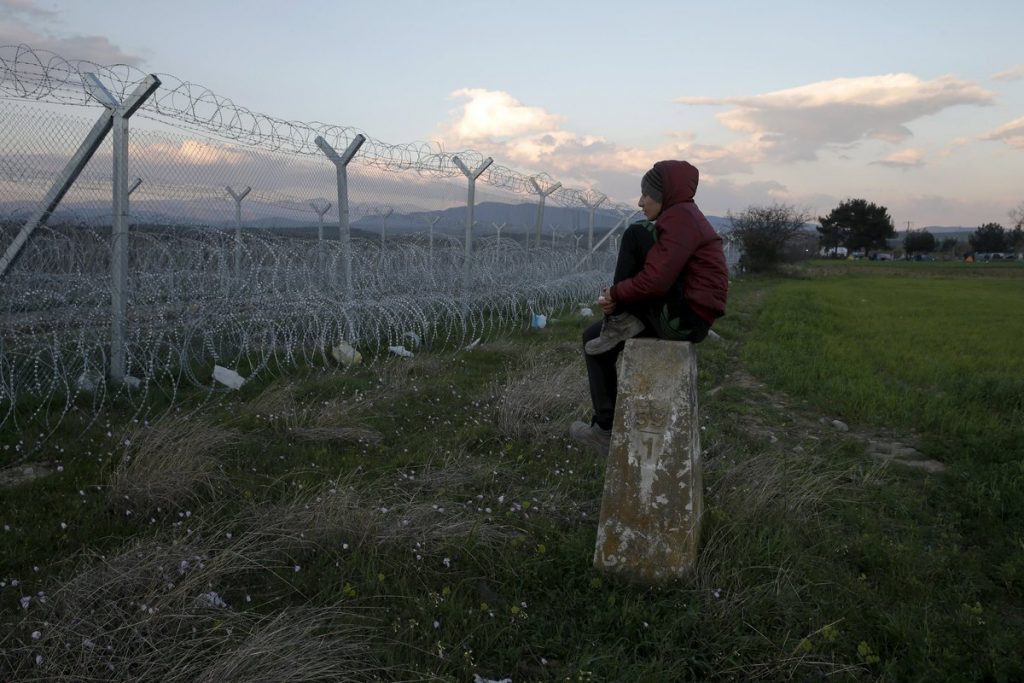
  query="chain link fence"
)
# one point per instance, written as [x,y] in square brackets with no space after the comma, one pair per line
[235,252]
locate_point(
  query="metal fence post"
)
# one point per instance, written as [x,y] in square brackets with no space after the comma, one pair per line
[320,211]
[66,178]
[430,237]
[543,194]
[344,235]
[383,224]
[120,112]
[498,229]
[622,222]
[592,206]
[238,197]
[470,205]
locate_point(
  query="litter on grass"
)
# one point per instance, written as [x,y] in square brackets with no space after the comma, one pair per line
[228,378]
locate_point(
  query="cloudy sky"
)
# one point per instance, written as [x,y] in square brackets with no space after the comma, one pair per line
[915,105]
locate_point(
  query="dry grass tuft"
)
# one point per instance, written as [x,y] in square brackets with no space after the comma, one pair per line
[171,463]
[153,613]
[390,517]
[539,399]
[331,420]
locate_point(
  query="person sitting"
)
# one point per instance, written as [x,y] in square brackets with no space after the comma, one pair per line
[670,282]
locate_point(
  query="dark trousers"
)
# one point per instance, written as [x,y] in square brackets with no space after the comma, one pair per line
[637,240]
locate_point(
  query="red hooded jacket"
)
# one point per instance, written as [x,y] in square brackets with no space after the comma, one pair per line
[687,247]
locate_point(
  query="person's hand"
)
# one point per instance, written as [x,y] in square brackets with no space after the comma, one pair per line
[606,302]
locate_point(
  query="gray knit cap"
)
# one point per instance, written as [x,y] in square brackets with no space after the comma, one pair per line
[651,185]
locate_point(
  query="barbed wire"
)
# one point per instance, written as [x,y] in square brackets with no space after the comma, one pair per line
[41,75]
[191,305]
[283,306]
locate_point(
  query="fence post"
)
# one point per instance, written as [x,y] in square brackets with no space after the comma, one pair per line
[543,194]
[592,206]
[341,165]
[238,197]
[320,211]
[383,224]
[430,236]
[119,112]
[80,158]
[623,221]
[471,176]
[498,228]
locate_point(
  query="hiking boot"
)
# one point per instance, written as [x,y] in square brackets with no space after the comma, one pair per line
[591,436]
[616,328]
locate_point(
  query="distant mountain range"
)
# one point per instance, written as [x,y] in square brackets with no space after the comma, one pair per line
[517,218]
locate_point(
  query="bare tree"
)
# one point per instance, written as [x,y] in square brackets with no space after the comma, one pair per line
[1017,216]
[764,231]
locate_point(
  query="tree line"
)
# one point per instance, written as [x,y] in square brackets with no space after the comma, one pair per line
[768,234]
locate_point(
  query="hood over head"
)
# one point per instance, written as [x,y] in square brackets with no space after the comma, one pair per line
[678,181]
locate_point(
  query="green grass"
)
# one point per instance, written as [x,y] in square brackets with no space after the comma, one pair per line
[396,505]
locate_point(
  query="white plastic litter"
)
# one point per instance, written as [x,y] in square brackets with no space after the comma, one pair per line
[414,339]
[132,382]
[228,378]
[346,355]
[586,312]
[401,351]
[473,344]
[539,320]
[88,382]
[211,599]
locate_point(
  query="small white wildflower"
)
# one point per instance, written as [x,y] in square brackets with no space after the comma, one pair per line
[447,563]
[25,601]
[297,568]
[63,525]
[437,624]
[36,635]
[39,660]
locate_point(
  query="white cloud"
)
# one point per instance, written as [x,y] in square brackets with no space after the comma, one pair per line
[1011,133]
[796,123]
[23,21]
[904,159]
[527,137]
[488,115]
[189,152]
[1014,73]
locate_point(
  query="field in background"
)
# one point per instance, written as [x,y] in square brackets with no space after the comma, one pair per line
[426,519]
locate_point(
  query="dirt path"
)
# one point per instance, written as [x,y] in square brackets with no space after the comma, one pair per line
[801,423]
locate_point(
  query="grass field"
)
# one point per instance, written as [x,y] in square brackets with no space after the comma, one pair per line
[427,519]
